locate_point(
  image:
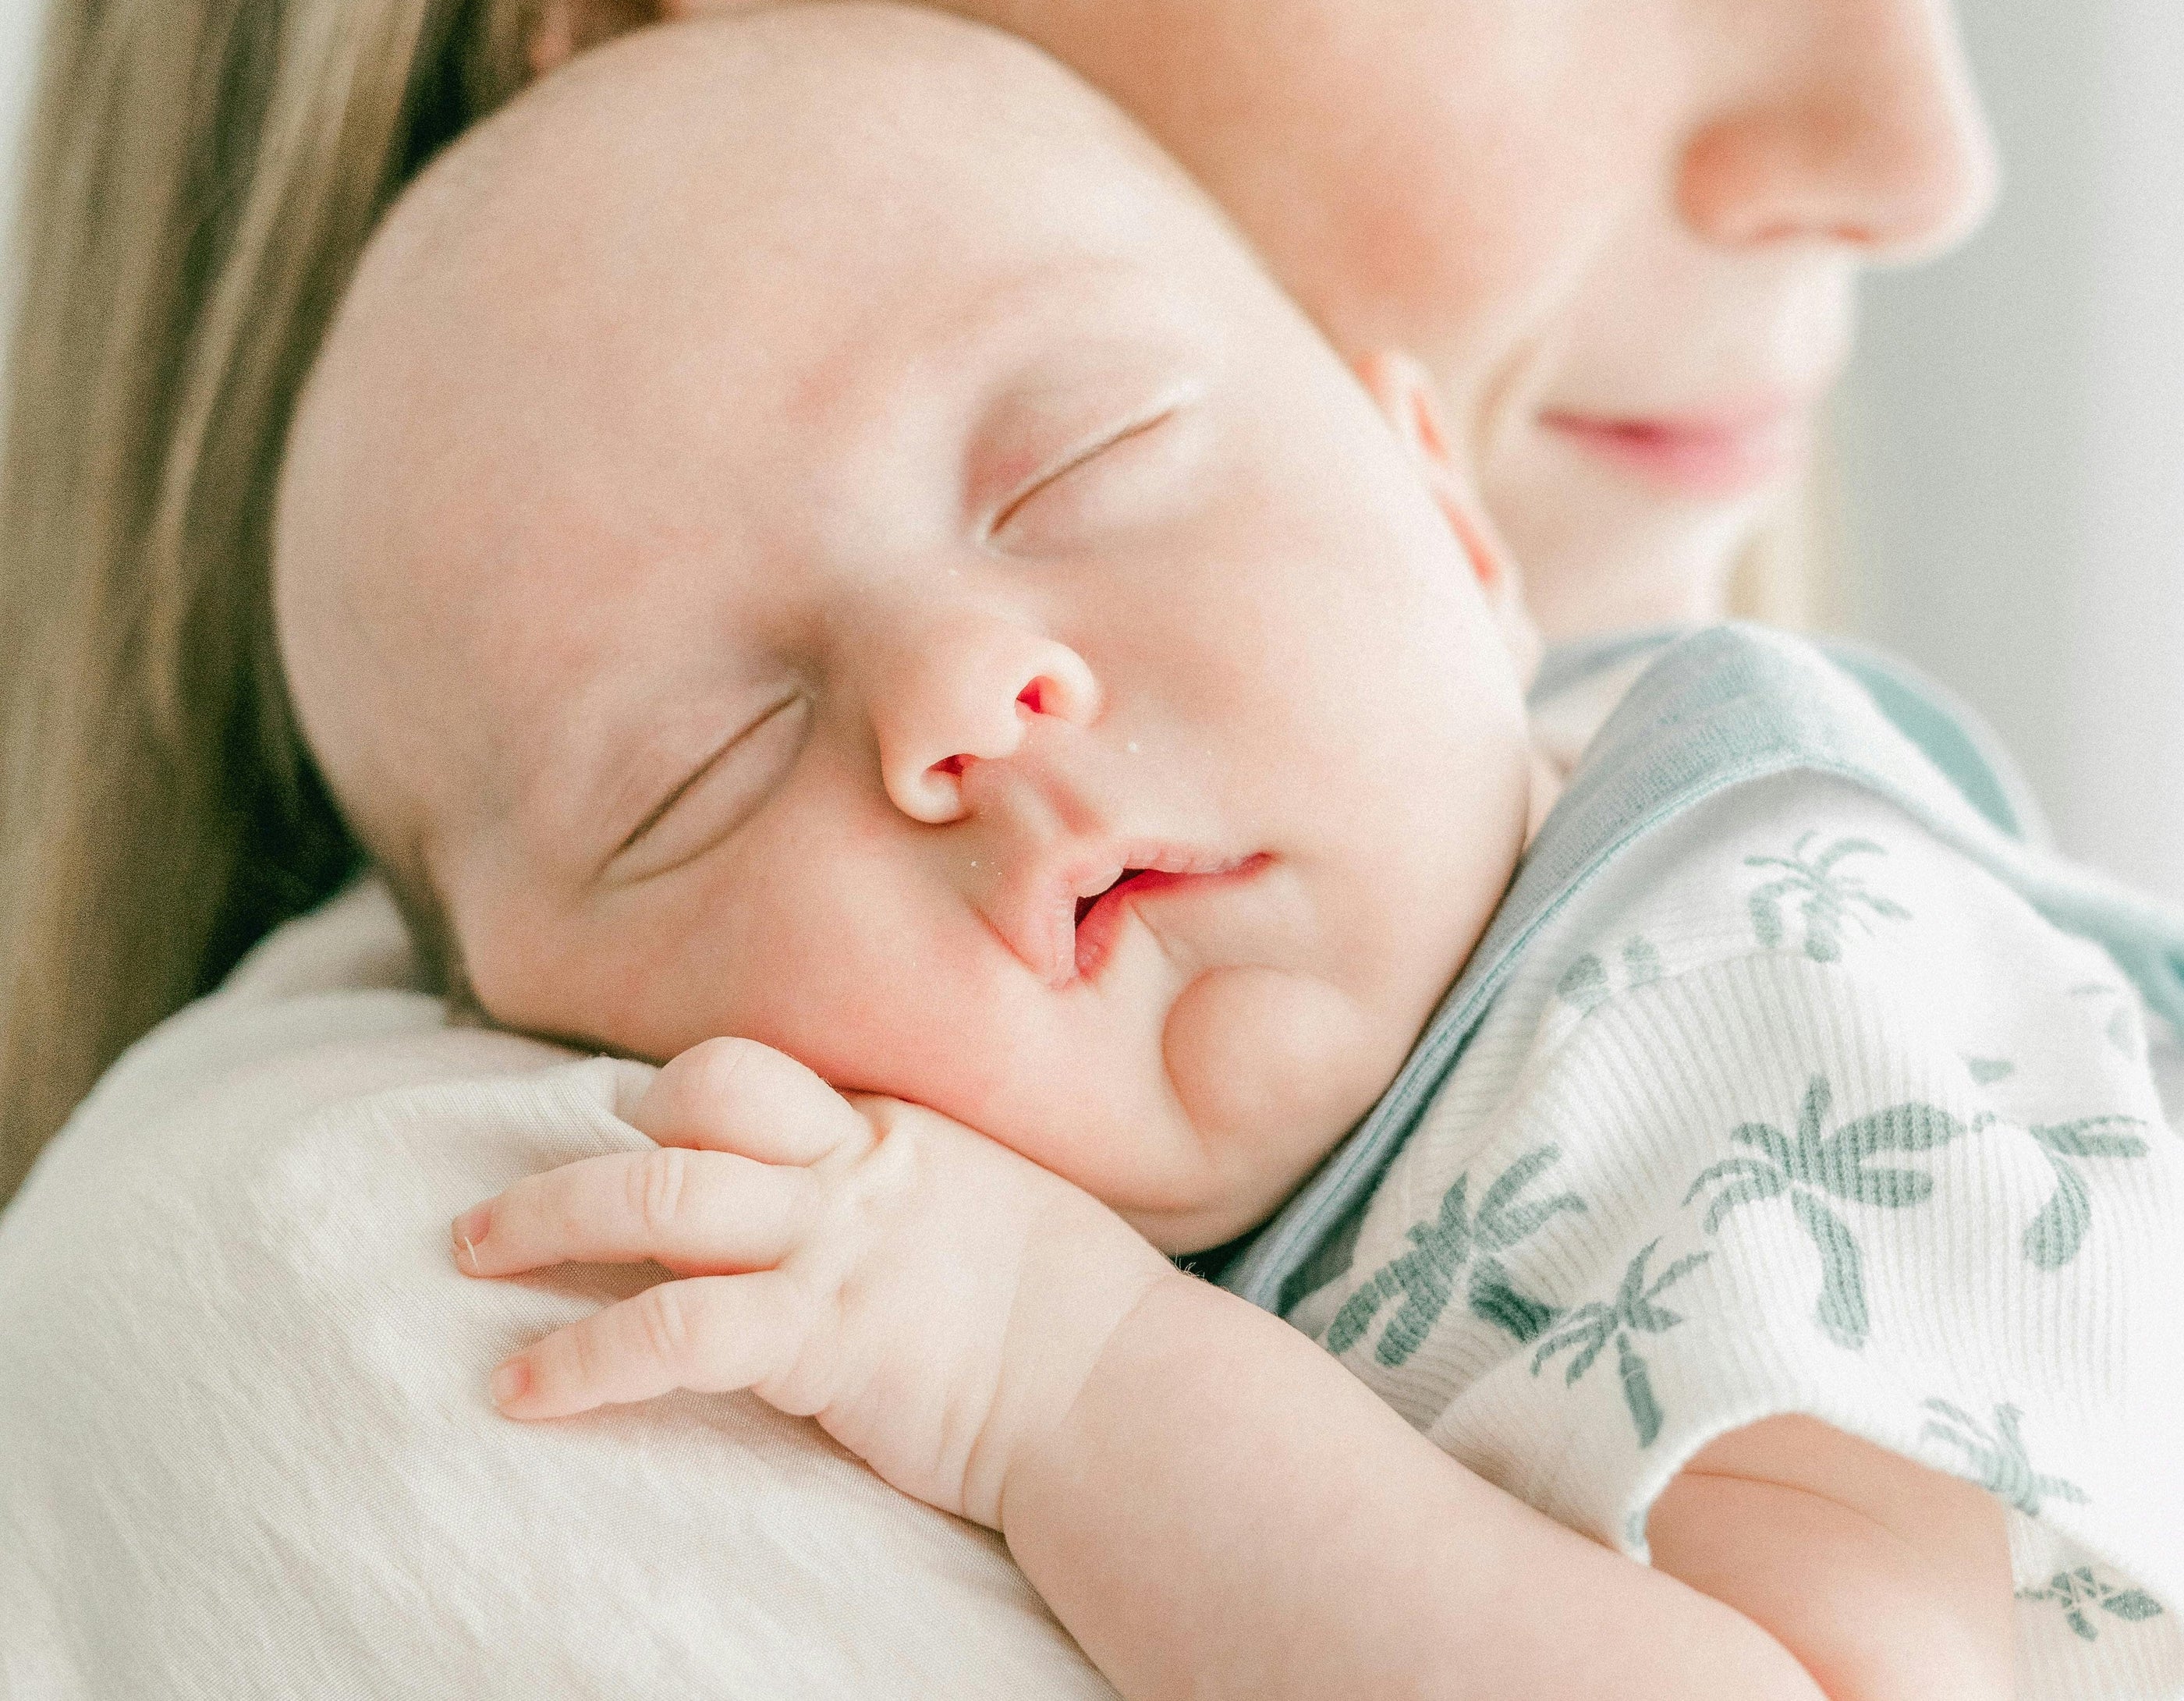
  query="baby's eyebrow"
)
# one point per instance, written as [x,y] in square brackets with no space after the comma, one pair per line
[989,335]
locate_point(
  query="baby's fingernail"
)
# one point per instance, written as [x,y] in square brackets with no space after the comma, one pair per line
[471,1227]
[512,1380]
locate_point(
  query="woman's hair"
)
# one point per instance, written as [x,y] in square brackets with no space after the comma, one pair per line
[202,175]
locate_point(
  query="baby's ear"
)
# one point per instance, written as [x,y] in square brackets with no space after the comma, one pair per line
[1404,390]
[562,29]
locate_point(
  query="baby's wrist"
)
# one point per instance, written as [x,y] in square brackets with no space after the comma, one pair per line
[1076,1443]
[1067,1346]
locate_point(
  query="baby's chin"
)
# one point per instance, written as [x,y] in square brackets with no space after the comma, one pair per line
[1270,1069]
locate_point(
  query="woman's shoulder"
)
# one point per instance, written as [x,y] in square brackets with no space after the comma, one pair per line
[356,941]
[322,1015]
[236,1349]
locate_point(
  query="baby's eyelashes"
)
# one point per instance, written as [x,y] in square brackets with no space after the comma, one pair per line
[715,798]
[1114,479]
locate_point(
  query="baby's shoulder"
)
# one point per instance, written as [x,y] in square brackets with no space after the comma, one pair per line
[1789,931]
[1819,869]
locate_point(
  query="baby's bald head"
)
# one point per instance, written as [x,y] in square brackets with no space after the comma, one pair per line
[555,290]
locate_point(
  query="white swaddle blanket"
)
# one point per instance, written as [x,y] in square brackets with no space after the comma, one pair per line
[245,1445]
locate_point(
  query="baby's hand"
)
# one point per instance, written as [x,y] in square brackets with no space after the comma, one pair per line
[934,1300]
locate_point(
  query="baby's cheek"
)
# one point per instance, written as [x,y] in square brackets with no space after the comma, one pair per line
[1272,1069]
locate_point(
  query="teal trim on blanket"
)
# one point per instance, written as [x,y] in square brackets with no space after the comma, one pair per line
[1721,707]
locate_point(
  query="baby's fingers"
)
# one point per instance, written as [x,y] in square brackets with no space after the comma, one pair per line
[735,1095]
[707,1212]
[710,1334]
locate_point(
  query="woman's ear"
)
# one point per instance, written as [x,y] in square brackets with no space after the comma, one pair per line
[1404,391]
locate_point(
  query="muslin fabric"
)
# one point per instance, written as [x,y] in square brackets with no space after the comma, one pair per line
[246,1448]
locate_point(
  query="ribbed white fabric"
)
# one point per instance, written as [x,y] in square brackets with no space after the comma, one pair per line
[1974,1257]
[245,1447]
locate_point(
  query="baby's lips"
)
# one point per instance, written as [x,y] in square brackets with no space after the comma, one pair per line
[1035,914]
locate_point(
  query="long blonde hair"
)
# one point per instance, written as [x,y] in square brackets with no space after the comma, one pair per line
[202,175]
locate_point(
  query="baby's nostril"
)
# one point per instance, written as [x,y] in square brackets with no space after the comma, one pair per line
[953,765]
[1034,696]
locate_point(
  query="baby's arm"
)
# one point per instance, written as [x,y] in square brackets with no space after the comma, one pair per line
[1885,1579]
[1211,1451]
[1211,1503]
[1228,1512]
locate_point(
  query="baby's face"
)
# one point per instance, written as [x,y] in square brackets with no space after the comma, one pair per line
[884,573]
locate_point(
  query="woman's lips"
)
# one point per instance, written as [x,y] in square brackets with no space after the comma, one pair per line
[1713,457]
[1100,919]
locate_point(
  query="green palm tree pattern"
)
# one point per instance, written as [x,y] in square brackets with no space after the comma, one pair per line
[2053,1238]
[1997,1458]
[1463,1244]
[1591,1327]
[2079,1592]
[1586,983]
[1825,898]
[2122,1032]
[1814,1166]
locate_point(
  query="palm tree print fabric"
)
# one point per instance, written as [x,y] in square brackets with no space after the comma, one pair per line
[2081,1596]
[1636,1311]
[1815,1169]
[1458,1244]
[1811,1120]
[1995,1458]
[1825,896]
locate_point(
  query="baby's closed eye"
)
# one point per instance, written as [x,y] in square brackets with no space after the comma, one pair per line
[715,797]
[1120,476]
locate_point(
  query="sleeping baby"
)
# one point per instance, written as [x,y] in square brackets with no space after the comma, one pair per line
[812,555]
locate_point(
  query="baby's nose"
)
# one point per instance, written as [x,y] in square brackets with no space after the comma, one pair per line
[969,695]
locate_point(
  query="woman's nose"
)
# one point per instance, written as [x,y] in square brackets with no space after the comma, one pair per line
[1856,124]
[961,689]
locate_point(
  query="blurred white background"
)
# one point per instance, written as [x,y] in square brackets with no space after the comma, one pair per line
[2013,431]
[2013,434]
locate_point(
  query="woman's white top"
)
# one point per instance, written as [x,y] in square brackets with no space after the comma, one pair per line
[245,1445]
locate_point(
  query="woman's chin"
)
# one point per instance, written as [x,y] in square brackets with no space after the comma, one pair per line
[1667,569]
[1605,549]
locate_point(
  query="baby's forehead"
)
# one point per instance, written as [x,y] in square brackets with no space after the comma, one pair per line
[812,195]
[760,147]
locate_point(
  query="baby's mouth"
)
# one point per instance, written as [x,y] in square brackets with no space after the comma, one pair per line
[1100,916]
[1093,943]
[1063,920]
[1086,905]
